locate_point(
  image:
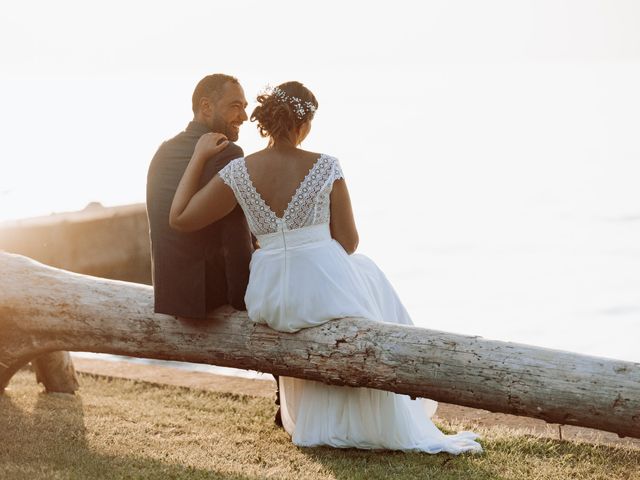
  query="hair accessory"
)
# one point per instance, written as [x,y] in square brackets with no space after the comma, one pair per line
[299,107]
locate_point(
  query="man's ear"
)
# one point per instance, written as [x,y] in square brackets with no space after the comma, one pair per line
[206,107]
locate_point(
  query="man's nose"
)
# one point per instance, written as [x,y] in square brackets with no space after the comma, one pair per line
[244,115]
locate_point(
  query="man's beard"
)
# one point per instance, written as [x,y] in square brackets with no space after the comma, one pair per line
[218,125]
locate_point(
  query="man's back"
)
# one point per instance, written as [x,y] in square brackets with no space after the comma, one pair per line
[194,272]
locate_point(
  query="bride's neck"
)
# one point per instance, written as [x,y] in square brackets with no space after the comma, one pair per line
[283,145]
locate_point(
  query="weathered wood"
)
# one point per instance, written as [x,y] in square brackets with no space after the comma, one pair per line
[44,309]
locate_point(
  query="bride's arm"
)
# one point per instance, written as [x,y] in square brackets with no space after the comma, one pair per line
[193,209]
[343,225]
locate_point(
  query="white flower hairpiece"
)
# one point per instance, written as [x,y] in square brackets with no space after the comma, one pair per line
[299,107]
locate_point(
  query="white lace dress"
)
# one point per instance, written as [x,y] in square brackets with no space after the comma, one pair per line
[300,277]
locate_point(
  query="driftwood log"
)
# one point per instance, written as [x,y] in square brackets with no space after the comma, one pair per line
[44,309]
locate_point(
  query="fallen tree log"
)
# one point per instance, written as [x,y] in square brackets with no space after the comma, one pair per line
[43,309]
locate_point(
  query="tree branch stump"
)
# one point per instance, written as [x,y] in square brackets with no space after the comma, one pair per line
[56,372]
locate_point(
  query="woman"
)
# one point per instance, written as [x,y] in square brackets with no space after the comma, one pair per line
[305,273]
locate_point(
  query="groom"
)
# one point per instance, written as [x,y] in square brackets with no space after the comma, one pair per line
[193,273]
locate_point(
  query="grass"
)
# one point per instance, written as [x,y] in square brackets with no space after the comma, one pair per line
[121,429]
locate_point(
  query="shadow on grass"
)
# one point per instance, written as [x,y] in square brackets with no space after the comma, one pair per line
[51,442]
[361,464]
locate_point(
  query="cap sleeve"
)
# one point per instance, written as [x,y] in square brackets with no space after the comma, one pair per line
[226,173]
[337,170]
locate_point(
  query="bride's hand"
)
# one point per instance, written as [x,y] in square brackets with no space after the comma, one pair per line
[210,144]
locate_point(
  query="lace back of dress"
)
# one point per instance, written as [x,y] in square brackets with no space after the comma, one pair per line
[310,204]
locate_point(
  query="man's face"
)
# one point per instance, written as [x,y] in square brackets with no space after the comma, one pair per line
[229,111]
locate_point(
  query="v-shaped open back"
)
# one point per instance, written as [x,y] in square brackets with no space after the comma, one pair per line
[309,204]
[295,192]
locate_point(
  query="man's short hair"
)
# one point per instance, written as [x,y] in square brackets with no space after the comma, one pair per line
[210,86]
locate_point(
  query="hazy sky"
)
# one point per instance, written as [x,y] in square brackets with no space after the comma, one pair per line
[88,90]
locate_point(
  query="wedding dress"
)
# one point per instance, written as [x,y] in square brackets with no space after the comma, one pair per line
[300,277]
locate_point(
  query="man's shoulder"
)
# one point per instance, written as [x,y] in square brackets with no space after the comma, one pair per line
[232,151]
[221,160]
[178,144]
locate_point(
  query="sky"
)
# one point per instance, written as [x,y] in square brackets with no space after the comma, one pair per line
[88,91]
[491,148]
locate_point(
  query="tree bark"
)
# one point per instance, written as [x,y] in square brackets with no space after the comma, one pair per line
[43,309]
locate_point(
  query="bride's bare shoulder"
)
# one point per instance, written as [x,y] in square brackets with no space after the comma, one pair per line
[258,154]
[308,154]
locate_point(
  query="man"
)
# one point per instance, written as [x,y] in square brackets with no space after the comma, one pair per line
[193,273]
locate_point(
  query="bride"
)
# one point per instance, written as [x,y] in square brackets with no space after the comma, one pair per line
[305,273]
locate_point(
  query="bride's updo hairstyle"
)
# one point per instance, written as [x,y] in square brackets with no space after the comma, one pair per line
[283,109]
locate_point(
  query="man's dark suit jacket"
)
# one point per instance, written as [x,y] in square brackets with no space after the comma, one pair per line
[195,272]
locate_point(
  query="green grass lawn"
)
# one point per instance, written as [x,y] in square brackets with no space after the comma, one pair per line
[124,429]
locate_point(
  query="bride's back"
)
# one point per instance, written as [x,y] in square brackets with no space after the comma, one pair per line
[276,174]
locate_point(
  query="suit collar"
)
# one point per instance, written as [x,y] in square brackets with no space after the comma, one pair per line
[197,127]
